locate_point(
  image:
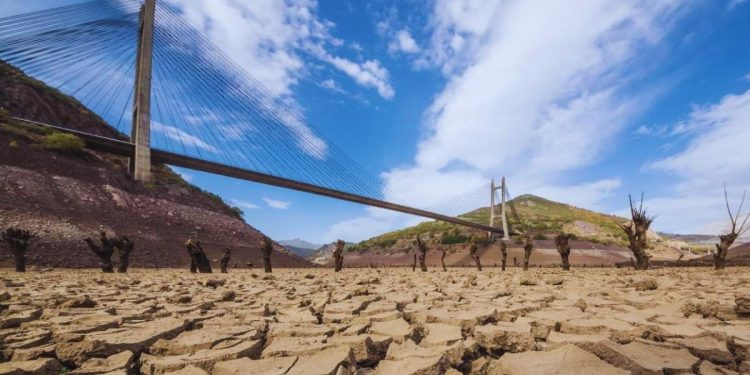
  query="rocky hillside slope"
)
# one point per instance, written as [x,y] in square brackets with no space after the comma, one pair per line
[324,254]
[300,247]
[597,238]
[64,193]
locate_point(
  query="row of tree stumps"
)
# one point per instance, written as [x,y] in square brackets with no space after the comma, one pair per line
[17,241]
[636,231]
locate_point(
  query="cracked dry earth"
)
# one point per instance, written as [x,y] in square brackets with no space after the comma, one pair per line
[383,321]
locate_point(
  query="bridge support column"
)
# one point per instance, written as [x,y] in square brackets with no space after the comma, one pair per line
[503,219]
[506,235]
[140,164]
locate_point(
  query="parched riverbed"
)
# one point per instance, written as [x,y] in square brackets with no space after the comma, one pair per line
[379,321]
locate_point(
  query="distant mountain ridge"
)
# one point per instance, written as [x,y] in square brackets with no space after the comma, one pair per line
[301,244]
[300,247]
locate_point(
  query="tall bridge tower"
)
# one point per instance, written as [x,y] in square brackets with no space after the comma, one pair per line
[140,164]
[493,189]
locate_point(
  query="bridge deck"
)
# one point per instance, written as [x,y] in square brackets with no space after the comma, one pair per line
[127,149]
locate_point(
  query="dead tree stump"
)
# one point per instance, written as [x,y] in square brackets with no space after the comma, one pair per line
[266,248]
[338,255]
[636,232]
[503,253]
[18,242]
[124,248]
[225,260]
[473,250]
[104,252]
[563,247]
[726,240]
[198,260]
[528,247]
[422,254]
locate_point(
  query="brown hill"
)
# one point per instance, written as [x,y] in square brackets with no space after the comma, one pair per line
[597,238]
[65,194]
[737,252]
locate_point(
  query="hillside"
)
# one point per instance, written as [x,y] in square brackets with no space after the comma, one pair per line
[300,247]
[324,254]
[593,232]
[65,193]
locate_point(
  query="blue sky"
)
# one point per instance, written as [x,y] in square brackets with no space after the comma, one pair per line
[581,102]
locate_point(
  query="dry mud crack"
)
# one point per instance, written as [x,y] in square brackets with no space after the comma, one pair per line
[376,321]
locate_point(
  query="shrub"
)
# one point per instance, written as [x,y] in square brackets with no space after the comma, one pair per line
[237,212]
[4,115]
[449,239]
[388,242]
[540,237]
[64,143]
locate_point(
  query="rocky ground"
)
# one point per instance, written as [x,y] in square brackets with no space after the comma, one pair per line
[376,321]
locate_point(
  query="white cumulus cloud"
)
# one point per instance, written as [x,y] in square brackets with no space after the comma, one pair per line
[404,42]
[535,90]
[277,204]
[716,153]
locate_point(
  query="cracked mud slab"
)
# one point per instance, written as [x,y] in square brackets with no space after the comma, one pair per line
[375,321]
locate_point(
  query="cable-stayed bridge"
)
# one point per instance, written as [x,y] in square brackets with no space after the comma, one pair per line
[143,69]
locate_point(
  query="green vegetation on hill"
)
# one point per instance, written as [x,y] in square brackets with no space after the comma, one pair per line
[542,217]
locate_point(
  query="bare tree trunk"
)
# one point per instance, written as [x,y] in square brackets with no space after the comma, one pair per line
[193,265]
[503,253]
[422,248]
[726,240]
[266,248]
[225,260]
[414,265]
[527,249]
[20,261]
[338,255]
[17,241]
[442,261]
[104,253]
[124,248]
[473,250]
[563,247]
[636,232]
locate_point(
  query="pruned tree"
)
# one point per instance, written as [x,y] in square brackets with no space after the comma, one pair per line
[225,257]
[503,253]
[124,248]
[198,260]
[474,251]
[726,240]
[18,242]
[266,248]
[636,231]
[442,259]
[338,255]
[104,252]
[422,247]
[528,247]
[563,247]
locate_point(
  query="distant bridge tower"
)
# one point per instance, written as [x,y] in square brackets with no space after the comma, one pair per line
[140,163]
[493,189]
